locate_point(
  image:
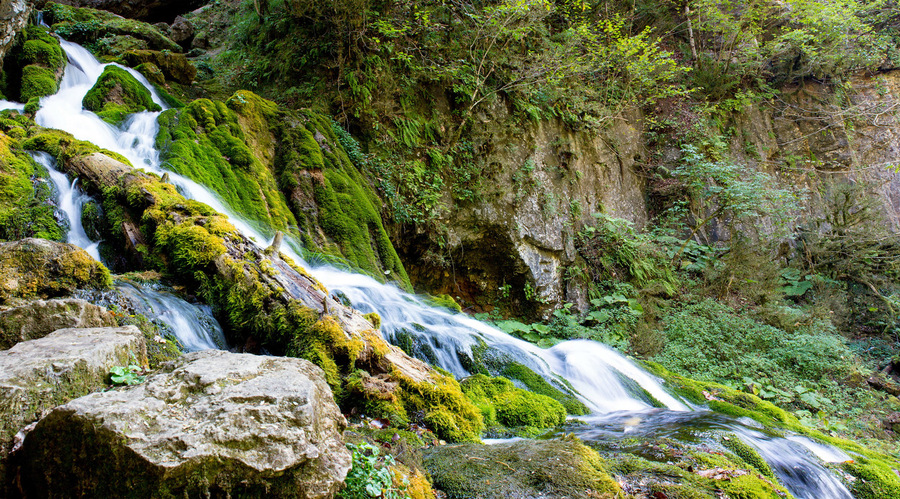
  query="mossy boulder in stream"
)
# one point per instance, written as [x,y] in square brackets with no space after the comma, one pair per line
[116,94]
[45,269]
[502,403]
[34,67]
[559,468]
[262,299]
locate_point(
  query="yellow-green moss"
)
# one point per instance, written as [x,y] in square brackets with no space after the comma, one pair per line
[63,146]
[374,318]
[38,268]
[503,403]
[537,384]
[540,468]
[116,94]
[875,479]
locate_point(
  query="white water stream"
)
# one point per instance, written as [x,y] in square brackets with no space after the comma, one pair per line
[608,383]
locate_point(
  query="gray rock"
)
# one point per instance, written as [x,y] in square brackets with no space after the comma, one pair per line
[13,17]
[182,31]
[44,269]
[212,422]
[39,318]
[38,375]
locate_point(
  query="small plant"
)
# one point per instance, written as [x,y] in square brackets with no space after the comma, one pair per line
[370,475]
[129,375]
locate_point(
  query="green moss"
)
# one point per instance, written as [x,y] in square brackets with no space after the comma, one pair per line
[875,479]
[152,72]
[190,246]
[502,402]
[538,384]
[205,142]
[159,348]
[541,468]
[748,455]
[25,208]
[33,105]
[36,268]
[96,29]
[445,301]
[374,318]
[63,146]
[38,81]
[117,94]
[172,66]
[34,65]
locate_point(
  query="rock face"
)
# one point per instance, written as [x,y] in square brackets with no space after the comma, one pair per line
[13,17]
[37,375]
[39,318]
[213,422]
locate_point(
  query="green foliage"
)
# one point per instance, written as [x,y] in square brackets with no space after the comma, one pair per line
[116,94]
[127,375]
[370,475]
[712,342]
[740,197]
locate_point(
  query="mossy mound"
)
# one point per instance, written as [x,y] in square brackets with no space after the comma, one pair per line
[104,33]
[502,403]
[25,193]
[62,145]
[173,66]
[284,169]
[205,142]
[691,474]
[116,94]
[34,66]
[45,269]
[539,468]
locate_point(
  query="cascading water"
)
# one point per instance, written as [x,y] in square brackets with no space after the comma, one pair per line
[624,397]
[71,202]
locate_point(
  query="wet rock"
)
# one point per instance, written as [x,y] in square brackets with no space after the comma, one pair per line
[212,422]
[174,66]
[37,375]
[39,318]
[44,269]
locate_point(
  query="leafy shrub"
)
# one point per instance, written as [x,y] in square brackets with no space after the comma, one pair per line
[370,475]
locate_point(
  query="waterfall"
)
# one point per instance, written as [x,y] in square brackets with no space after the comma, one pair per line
[623,397]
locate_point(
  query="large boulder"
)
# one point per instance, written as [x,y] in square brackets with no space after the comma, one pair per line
[37,375]
[145,10]
[45,269]
[39,318]
[212,423]
[116,94]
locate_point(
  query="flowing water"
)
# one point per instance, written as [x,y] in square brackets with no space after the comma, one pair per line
[624,398]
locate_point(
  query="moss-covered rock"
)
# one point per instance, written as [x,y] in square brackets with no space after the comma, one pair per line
[46,269]
[173,66]
[116,94]
[34,67]
[285,169]
[103,32]
[540,468]
[503,403]
[25,193]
